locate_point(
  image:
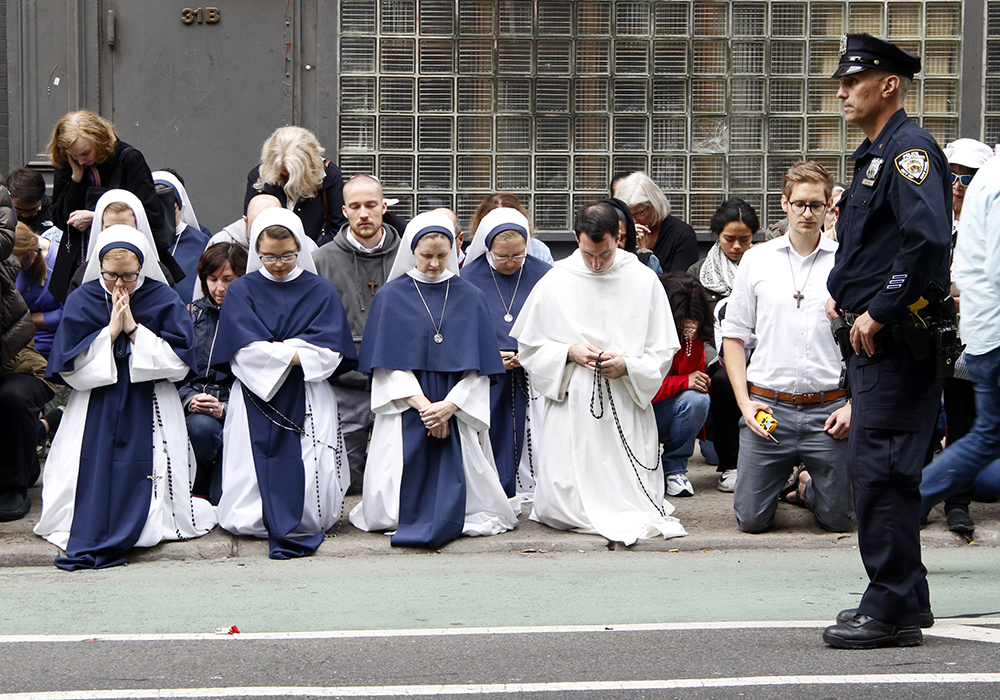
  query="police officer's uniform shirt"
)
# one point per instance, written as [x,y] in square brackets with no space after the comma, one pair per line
[895,222]
[977,261]
[796,352]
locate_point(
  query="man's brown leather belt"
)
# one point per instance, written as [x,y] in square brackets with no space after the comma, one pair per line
[818,397]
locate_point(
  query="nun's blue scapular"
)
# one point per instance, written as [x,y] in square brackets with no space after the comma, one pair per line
[430,490]
[120,470]
[509,396]
[284,469]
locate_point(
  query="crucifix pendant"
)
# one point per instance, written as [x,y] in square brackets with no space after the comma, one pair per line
[154,478]
[798,296]
[371,285]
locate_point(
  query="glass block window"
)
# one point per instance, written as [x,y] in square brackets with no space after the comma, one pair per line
[449,100]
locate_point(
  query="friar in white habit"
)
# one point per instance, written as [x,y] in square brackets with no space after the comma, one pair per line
[597,337]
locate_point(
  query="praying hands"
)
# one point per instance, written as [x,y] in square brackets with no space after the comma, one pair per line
[612,364]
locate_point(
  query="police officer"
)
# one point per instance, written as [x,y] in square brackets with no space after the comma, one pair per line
[894,232]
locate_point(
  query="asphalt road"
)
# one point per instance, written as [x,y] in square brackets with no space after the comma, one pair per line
[614,624]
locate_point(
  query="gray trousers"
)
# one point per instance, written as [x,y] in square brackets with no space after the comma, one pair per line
[764,467]
[356,420]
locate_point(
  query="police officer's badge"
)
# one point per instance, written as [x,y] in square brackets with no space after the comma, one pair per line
[873,167]
[843,44]
[913,165]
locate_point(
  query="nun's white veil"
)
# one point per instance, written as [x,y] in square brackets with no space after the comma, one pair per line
[276,216]
[496,221]
[187,211]
[421,224]
[141,220]
[130,239]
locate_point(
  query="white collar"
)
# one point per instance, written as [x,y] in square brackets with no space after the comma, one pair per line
[352,239]
[296,271]
[421,277]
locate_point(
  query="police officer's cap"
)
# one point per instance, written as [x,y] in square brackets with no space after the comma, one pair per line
[859,52]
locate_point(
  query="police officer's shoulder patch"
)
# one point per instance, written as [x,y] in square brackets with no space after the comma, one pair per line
[913,165]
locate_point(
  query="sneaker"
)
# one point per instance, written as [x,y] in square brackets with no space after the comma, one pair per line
[959,521]
[678,485]
[727,482]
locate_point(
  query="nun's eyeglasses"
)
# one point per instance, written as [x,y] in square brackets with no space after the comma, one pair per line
[286,258]
[507,258]
[125,277]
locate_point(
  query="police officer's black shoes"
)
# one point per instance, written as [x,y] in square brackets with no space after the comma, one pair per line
[925,617]
[863,632]
[14,505]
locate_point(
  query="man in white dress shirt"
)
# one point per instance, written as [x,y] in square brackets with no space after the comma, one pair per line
[794,373]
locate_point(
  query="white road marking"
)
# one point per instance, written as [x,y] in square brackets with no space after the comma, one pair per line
[956,628]
[506,688]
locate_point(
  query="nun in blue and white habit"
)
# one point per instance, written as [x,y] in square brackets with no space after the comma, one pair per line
[499,265]
[190,237]
[431,351]
[120,470]
[284,333]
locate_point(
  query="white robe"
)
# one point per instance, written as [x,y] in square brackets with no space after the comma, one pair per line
[263,367]
[585,481]
[487,510]
[171,506]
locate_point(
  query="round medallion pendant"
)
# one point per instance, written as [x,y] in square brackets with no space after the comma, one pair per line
[438,338]
[508,318]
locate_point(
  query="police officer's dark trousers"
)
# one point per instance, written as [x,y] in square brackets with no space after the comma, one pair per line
[895,403]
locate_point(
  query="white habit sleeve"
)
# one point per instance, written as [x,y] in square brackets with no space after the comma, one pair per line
[472,396]
[390,388]
[549,367]
[95,366]
[263,366]
[317,363]
[153,359]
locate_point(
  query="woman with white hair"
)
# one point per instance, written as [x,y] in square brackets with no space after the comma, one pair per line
[431,349]
[293,170]
[120,470]
[284,333]
[672,241]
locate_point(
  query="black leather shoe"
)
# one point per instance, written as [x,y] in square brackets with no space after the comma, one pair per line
[925,618]
[960,521]
[13,505]
[863,632]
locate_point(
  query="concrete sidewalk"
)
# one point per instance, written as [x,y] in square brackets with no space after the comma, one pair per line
[708,518]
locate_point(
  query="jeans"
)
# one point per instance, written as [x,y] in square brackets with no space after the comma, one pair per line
[678,420]
[205,434]
[960,464]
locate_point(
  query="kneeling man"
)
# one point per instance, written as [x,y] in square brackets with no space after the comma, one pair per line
[794,373]
[597,337]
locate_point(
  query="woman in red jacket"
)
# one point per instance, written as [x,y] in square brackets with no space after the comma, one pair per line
[681,405]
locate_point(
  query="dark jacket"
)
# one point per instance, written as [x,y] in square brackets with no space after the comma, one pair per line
[677,245]
[310,211]
[16,328]
[205,316]
[352,270]
[124,169]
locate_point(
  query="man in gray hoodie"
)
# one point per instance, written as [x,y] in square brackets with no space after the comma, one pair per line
[358,261]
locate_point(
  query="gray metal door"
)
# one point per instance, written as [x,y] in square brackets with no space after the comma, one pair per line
[199,89]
